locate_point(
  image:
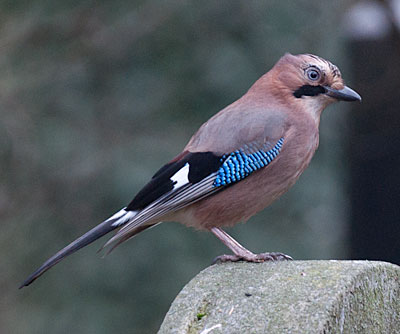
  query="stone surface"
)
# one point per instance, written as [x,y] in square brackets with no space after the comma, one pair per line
[289,297]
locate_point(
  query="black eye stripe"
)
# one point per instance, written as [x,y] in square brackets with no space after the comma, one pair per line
[308,90]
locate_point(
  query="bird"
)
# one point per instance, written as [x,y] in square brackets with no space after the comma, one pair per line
[237,163]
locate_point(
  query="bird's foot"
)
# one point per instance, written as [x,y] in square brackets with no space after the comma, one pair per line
[257,258]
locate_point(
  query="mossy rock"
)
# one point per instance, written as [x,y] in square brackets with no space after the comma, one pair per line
[289,297]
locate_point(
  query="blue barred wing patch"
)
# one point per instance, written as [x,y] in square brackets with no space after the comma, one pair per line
[238,165]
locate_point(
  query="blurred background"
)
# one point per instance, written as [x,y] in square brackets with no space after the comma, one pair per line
[96,95]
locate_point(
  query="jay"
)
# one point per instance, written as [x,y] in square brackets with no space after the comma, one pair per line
[237,163]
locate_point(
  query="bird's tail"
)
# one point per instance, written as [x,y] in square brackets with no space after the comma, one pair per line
[119,219]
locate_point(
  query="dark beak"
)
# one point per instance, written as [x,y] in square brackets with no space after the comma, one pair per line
[344,94]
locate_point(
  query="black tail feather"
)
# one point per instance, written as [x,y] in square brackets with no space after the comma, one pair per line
[84,240]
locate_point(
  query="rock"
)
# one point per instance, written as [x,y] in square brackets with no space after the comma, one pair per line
[289,297]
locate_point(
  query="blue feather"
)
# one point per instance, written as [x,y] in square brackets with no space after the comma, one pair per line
[238,165]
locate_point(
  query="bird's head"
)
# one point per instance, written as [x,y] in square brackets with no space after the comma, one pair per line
[310,81]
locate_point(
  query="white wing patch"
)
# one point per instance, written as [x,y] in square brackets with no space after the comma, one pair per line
[181,177]
[122,217]
[169,202]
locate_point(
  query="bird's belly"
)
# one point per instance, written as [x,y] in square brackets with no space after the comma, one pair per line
[244,199]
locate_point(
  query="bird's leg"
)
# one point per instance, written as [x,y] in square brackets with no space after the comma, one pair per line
[241,253]
[233,245]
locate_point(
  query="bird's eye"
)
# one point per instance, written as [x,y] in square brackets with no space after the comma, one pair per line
[313,74]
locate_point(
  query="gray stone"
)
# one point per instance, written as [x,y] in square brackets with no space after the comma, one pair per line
[289,297]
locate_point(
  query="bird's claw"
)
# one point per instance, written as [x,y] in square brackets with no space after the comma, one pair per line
[274,256]
[257,258]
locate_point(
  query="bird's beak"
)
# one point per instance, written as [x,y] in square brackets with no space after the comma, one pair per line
[344,94]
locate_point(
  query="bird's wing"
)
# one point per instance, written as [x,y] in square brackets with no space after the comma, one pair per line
[191,178]
[176,185]
[188,178]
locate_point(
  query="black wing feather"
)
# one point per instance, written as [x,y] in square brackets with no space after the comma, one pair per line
[201,164]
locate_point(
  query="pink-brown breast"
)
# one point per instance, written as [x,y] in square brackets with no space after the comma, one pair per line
[242,200]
